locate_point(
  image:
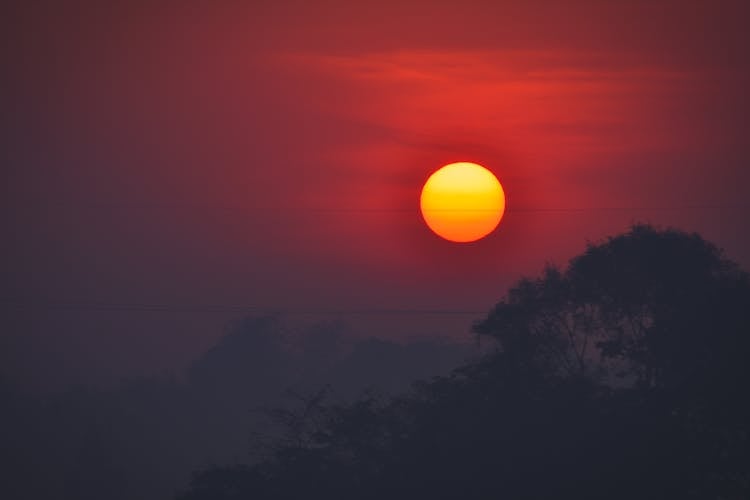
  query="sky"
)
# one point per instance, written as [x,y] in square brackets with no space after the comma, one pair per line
[171,166]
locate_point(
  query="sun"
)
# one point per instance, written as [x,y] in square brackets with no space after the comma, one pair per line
[462,202]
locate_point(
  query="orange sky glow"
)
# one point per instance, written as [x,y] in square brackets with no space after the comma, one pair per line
[272,154]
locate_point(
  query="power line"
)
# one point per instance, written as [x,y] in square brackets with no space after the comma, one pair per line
[415,209]
[206,308]
[223,309]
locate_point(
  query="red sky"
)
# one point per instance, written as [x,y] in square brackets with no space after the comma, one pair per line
[271,155]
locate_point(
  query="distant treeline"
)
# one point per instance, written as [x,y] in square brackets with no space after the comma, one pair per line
[141,439]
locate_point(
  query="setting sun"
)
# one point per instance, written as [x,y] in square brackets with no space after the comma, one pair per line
[462,202]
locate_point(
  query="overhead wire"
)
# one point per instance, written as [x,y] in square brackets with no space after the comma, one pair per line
[18,303]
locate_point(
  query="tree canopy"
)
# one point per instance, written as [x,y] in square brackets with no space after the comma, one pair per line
[623,375]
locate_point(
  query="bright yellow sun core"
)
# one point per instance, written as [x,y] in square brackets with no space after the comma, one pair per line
[462,202]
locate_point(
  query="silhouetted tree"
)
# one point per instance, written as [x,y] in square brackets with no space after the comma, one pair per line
[623,376]
[653,306]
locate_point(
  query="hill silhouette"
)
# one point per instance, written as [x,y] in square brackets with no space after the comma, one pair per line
[622,376]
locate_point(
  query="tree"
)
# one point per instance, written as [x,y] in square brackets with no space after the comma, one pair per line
[622,376]
[651,307]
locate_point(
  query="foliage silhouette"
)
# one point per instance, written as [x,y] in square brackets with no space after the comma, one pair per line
[623,376]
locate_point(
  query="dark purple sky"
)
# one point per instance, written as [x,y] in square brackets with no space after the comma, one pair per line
[270,154]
